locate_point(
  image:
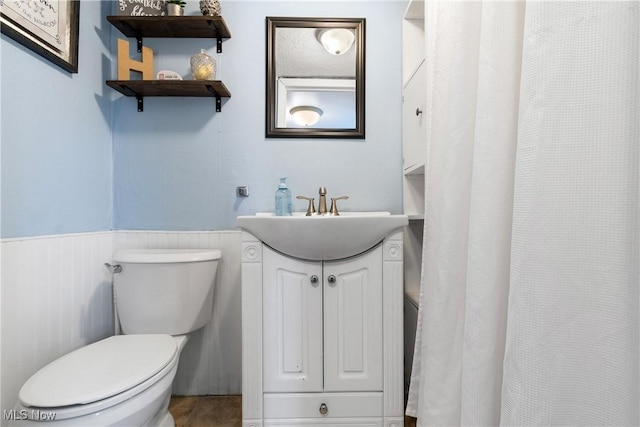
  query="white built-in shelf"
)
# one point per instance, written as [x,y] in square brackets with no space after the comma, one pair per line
[413,42]
[414,136]
[414,10]
[417,169]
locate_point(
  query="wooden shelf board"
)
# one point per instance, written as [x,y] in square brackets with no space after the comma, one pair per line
[171,26]
[193,88]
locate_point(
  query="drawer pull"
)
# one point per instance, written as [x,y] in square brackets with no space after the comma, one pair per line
[324,409]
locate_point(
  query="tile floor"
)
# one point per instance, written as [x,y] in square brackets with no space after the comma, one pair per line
[216,411]
[207,411]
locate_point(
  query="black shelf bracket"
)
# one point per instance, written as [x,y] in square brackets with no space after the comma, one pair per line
[137,35]
[218,98]
[214,30]
[140,100]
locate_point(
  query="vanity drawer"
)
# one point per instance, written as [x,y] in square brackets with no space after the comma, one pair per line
[324,422]
[312,405]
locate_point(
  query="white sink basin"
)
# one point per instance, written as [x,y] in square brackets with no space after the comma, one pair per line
[322,237]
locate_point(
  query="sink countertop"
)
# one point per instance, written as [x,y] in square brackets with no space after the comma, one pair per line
[322,237]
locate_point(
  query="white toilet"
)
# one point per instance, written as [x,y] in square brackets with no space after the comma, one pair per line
[125,380]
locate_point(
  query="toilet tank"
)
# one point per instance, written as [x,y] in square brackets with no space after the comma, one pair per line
[164,291]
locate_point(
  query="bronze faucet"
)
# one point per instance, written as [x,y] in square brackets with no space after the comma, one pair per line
[334,206]
[322,203]
[311,209]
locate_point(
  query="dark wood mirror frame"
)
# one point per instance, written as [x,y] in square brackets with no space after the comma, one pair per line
[358,26]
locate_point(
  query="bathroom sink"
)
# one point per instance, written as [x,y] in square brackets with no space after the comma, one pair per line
[322,237]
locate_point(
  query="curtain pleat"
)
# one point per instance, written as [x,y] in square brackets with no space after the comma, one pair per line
[529,302]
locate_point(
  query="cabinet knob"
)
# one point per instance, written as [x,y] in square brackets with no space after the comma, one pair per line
[314,279]
[418,111]
[331,279]
[323,409]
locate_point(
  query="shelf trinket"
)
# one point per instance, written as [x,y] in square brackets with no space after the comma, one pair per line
[203,66]
[210,7]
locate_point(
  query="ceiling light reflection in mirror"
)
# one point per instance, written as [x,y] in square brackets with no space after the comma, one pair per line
[336,41]
[335,97]
[305,115]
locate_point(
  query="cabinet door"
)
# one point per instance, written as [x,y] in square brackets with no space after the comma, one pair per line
[292,327]
[414,133]
[353,323]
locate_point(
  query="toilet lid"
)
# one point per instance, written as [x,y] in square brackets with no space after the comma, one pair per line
[98,371]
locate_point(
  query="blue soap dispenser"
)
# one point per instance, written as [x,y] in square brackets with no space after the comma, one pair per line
[283,199]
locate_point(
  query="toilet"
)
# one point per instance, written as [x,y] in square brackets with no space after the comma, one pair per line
[161,295]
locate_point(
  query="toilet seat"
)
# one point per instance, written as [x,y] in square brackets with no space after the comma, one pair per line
[100,375]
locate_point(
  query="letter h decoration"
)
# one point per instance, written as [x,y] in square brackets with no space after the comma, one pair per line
[126,64]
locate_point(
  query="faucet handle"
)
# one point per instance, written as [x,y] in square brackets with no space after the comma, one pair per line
[311,209]
[334,206]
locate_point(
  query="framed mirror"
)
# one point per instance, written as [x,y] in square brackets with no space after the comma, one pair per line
[315,77]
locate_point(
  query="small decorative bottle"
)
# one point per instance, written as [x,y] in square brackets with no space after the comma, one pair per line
[210,7]
[203,67]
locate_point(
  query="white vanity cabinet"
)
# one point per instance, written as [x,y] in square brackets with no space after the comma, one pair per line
[322,340]
[323,322]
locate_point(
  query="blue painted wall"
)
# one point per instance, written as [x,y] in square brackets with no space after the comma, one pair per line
[56,162]
[177,164]
[69,142]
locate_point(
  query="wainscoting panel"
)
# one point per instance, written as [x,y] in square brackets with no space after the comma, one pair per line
[211,363]
[56,297]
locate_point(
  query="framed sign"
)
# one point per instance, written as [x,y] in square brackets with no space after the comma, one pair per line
[141,7]
[47,27]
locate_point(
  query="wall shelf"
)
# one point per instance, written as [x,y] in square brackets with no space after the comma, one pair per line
[193,88]
[172,27]
[417,169]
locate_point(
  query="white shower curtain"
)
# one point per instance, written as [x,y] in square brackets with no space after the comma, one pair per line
[529,305]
